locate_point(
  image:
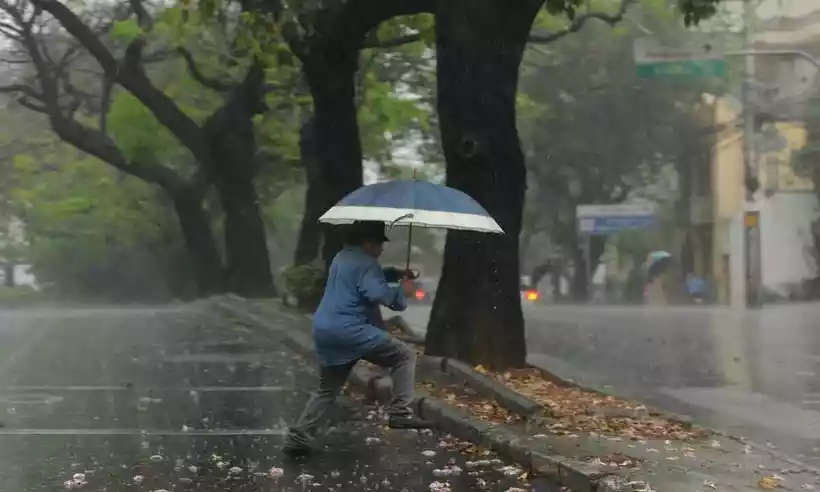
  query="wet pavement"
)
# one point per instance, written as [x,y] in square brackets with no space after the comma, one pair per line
[173,399]
[752,374]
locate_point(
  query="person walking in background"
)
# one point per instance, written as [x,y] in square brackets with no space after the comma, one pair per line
[347,327]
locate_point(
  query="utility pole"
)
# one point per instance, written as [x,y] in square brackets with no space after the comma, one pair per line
[751,217]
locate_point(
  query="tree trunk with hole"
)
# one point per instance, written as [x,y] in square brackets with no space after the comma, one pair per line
[206,262]
[310,231]
[330,72]
[232,168]
[476,315]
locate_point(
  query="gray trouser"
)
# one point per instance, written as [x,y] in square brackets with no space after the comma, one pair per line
[393,355]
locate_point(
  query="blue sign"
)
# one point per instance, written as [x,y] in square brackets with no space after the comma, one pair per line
[606,219]
[611,224]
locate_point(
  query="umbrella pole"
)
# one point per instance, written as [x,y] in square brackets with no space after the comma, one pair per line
[409,245]
[410,234]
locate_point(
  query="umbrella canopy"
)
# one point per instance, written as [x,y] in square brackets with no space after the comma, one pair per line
[413,203]
[658,255]
[657,263]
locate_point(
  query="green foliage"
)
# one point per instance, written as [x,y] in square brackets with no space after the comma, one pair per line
[592,131]
[21,296]
[306,283]
[125,31]
[139,135]
[93,234]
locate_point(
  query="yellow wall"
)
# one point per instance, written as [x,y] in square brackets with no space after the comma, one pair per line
[728,189]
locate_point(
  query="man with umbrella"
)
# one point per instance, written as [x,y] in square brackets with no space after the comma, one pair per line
[347,328]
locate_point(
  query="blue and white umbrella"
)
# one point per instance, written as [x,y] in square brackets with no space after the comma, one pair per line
[414,203]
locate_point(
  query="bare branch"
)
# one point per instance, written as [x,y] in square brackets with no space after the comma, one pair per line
[578,23]
[23,89]
[28,104]
[132,78]
[392,43]
[105,103]
[206,81]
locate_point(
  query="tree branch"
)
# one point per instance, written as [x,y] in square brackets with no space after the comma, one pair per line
[28,104]
[105,103]
[392,43]
[193,69]
[24,89]
[578,23]
[133,79]
[133,52]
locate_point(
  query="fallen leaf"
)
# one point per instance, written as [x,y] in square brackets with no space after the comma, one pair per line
[768,483]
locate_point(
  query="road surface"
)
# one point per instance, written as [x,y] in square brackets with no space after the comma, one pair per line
[753,374]
[176,399]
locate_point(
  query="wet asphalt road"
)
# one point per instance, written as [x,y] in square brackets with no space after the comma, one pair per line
[173,399]
[754,374]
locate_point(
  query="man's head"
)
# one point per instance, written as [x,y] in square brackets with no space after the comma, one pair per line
[368,235]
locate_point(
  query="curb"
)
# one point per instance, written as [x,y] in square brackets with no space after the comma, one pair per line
[576,475]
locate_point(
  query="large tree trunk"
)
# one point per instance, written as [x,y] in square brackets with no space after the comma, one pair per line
[477,316]
[310,231]
[232,166]
[248,263]
[331,72]
[200,242]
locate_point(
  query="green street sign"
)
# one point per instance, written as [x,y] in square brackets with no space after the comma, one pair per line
[695,57]
[704,68]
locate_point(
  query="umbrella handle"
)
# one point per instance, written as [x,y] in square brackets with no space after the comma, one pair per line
[405,216]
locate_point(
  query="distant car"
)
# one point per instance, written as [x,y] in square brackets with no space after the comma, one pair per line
[421,290]
[529,293]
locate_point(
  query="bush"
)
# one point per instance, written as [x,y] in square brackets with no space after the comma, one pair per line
[306,284]
[21,296]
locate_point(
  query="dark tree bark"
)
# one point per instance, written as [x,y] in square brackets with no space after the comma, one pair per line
[200,242]
[330,73]
[8,275]
[477,316]
[310,231]
[232,166]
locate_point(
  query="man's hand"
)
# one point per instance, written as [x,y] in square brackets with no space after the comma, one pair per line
[394,275]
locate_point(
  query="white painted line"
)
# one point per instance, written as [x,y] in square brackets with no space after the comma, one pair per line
[141,390]
[139,432]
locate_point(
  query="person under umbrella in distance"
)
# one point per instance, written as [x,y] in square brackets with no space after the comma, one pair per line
[347,328]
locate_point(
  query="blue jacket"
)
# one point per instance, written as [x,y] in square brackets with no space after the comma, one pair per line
[344,327]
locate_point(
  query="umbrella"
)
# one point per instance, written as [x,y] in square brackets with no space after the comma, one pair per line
[657,263]
[413,203]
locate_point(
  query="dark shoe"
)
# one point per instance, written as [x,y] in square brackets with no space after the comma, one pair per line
[296,444]
[409,422]
[295,450]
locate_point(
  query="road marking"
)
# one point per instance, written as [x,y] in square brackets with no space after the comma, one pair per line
[139,432]
[141,390]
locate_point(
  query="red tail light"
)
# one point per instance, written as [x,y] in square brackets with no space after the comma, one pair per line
[420,295]
[532,295]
